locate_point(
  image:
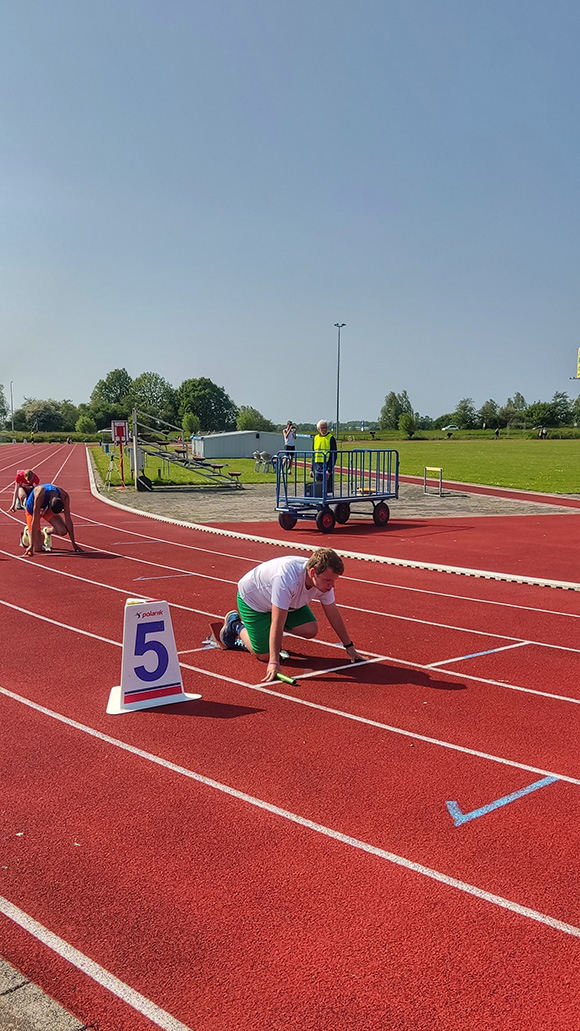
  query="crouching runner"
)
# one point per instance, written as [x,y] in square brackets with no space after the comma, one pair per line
[52,504]
[275,597]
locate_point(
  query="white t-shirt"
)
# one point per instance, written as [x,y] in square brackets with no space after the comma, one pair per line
[290,437]
[280,582]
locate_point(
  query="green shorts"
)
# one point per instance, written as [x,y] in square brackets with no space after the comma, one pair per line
[258,624]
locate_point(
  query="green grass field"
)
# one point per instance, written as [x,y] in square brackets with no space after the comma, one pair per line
[551,466]
[163,474]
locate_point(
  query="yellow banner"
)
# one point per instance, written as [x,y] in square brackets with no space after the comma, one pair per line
[578,369]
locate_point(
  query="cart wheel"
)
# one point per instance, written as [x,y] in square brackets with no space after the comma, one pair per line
[381,514]
[342,512]
[325,520]
[287,521]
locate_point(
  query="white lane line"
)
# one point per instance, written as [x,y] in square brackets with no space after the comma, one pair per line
[343,605]
[97,973]
[147,539]
[327,709]
[41,451]
[459,597]
[461,629]
[486,574]
[330,644]
[57,474]
[63,626]
[329,832]
[476,655]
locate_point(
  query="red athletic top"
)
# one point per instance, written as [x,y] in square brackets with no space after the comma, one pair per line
[21,480]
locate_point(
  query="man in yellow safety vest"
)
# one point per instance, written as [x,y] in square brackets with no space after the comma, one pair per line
[324,447]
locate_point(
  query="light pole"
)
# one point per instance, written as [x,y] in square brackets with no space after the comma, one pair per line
[12,403]
[338,326]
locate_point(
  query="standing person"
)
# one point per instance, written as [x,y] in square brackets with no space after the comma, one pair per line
[289,433]
[324,447]
[51,503]
[24,483]
[275,596]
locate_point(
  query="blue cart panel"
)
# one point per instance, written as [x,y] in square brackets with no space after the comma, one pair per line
[324,486]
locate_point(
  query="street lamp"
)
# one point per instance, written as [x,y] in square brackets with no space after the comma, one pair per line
[338,326]
[12,403]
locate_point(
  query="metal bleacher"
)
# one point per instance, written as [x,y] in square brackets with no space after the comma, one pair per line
[156,442]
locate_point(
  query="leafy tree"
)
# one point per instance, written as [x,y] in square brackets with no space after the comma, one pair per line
[213,407]
[103,414]
[42,415]
[20,423]
[518,402]
[70,414]
[489,413]
[190,424]
[465,415]
[407,424]
[562,408]
[114,389]
[541,413]
[444,420]
[3,406]
[86,425]
[152,393]
[393,408]
[423,422]
[251,419]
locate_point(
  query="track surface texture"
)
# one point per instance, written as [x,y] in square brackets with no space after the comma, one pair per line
[391,845]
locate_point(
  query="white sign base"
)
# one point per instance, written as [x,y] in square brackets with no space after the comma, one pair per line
[150,673]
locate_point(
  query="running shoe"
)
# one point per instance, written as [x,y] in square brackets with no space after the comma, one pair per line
[47,540]
[231,629]
[25,540]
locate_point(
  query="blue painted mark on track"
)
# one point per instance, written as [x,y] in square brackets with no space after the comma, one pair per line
[460,818]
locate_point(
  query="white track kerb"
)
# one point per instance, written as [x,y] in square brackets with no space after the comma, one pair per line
[485,574]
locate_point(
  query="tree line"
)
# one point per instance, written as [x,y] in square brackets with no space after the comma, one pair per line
[197,405]
[397,413]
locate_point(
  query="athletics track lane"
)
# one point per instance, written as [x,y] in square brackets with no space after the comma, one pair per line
[353,791]
[531,545]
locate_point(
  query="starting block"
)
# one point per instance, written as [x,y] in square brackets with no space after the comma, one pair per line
[150,673]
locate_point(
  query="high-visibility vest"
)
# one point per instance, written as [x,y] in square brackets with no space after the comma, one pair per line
[322,447]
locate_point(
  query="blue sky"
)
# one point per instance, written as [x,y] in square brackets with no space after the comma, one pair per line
[205,188]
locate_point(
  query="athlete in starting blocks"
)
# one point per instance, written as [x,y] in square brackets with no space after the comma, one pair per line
[24,483]
[275,597]
[52,504]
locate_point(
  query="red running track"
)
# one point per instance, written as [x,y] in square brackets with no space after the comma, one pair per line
[272,859]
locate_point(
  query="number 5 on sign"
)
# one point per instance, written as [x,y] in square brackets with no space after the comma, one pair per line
[150,673]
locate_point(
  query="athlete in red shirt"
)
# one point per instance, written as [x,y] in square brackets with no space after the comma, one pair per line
[24,483]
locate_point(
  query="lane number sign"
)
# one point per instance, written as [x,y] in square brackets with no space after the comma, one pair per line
[150,673]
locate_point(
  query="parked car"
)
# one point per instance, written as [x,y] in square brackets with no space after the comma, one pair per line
[447,429]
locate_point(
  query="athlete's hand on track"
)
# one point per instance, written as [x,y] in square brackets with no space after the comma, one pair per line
[78,548]
[354,655]
[273,668]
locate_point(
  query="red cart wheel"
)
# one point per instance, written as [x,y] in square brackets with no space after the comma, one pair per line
[381,514]
[325,520]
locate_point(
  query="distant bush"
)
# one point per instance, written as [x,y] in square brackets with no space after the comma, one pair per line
[6,437]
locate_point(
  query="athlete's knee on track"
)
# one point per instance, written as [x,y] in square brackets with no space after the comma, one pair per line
[307,630]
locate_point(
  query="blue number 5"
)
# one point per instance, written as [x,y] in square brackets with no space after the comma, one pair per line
[142,645]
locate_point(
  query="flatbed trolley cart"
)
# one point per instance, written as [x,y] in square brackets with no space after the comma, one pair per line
[325,491]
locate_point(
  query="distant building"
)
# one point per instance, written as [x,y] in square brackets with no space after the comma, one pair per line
[237,444]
